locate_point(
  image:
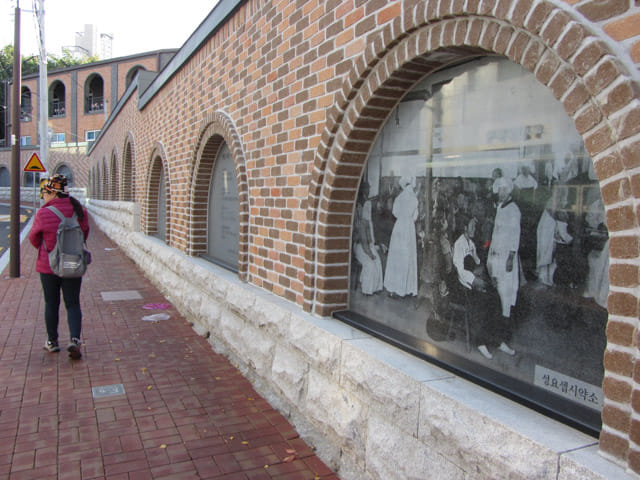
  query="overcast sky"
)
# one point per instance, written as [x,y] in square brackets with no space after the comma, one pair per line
[136,25]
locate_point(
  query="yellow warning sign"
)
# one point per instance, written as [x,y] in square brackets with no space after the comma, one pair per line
[34,164]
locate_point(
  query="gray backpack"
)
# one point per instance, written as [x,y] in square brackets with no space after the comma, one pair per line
[69,258]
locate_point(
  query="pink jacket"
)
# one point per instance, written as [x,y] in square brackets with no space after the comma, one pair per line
[45,226]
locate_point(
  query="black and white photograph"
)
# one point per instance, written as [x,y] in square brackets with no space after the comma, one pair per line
[486,239]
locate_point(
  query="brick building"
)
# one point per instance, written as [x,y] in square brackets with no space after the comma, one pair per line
[80,99]
[286,142]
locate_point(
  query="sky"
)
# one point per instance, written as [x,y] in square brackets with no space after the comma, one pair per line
[136,25]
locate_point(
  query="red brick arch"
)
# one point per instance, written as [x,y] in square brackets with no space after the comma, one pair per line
[113,180]
[157,165]
[104,179]
[127,170]
[581,71]
[217,129]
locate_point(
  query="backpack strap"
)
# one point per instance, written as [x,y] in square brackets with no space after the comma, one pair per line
[60,215]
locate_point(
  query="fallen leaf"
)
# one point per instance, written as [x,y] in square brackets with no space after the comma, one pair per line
[245,443]
[144,369]
[117,359]
[149,387]
[163,446]
[290,451]
[289,459]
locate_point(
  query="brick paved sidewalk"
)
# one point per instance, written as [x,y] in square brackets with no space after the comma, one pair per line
[186,412]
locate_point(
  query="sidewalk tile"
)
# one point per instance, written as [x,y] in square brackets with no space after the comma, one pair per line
[186,412]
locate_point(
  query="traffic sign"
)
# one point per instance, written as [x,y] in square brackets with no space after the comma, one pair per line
[34,164]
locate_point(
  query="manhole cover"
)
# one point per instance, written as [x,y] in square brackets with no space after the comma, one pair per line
[108,390]
[121,295]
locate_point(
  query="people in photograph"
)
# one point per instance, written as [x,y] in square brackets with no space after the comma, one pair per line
[488,328]
[495,175]
[525,179]
[442,257]
[503,262]
[401,274]
[370,279]
[524,193]
[597,243]
[552,230]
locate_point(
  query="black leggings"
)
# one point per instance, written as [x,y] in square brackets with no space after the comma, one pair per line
[51,286]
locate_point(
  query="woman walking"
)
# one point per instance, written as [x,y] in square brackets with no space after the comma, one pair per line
[43,237]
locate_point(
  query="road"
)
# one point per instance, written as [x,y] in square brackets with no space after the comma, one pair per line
[5,227]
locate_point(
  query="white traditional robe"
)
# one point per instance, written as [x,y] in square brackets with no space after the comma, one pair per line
[545,262]
[401,274]
[371,274]
[505,239]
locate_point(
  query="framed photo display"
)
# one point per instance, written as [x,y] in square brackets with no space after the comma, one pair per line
[479,239]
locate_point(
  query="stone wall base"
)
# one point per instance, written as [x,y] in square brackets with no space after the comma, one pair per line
[370,410]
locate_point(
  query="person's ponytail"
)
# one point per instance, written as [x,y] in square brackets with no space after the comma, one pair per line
[77,208]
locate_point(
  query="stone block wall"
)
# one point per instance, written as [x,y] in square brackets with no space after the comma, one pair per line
[371,411]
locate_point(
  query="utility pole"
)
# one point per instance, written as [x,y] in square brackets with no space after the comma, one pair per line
[44,92]
[14,244]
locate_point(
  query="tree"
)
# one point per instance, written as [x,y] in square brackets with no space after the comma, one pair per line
[30,65]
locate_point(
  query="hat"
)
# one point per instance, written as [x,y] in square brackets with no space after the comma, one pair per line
[57,184]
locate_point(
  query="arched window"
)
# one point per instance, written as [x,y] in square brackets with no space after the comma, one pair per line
[26,108]
[158,200]
[479,238]
[94,94]
[161,226]
[127,173]
[113,178]
[223,212]
[104,180]
[5,177]
[132,73]
[57,101]
[66,171]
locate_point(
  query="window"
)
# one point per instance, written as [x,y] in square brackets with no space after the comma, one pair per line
[25,105]
[24,141]
[91,135]
[161,230]
[57,100]
[222,223]
[479,239]
[94,94]
[133,71]
[5,177]
[57,138]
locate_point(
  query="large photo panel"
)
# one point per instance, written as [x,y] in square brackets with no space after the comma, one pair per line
[479,238]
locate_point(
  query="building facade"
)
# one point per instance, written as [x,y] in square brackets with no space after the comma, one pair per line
[79,101]
[412,224]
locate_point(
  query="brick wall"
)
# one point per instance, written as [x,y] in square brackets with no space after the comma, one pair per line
[299,90]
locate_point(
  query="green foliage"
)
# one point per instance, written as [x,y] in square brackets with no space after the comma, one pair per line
[31,64]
